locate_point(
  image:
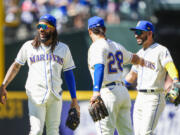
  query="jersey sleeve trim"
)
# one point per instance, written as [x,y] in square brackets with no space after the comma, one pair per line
[66,69]
[165,63]
[21,63]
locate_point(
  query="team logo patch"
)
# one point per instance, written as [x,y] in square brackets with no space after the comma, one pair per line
[167,53]
[96,87]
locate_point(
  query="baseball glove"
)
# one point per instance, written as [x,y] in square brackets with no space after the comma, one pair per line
[98,109]
[73,119]
[173,94]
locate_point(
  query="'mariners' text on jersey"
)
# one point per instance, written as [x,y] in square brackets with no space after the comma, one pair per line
[46,57]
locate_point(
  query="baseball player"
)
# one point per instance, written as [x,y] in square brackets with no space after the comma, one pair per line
[150,100]
[46,58]
[106,59]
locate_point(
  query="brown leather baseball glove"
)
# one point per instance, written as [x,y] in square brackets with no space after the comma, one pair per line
[98,109]
[173,94]
[73,119]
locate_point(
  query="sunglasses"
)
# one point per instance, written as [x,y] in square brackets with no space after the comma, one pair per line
[138,32]
[44,26]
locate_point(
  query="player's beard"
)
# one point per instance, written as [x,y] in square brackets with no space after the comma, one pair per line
[142,40]
[46,37]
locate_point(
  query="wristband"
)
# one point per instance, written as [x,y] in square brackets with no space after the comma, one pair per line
[127,84]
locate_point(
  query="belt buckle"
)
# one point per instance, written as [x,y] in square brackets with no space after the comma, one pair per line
[109,84]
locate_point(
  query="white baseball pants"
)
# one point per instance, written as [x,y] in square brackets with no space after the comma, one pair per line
[118,103]
[147,110]
[49,113]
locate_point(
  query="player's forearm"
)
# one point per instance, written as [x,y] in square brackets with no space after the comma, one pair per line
[98,76]
[137,60]
[70,81]
[11,73]
[74,102]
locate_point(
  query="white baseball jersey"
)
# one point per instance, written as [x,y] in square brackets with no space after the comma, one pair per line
[115,97]
[112,55]
[149,105]
[152,76]
[45,68]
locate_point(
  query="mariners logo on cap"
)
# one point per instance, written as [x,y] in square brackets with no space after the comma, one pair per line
[138,23]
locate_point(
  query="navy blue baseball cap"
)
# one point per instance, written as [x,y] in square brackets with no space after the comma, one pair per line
[95,21]
[49,19]
[144,26]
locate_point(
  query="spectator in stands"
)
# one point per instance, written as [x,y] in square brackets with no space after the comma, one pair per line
[11,11]
[101,8]
[113,16]
[29,13]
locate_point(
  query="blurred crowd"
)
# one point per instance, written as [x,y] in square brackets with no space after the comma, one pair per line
[22,15]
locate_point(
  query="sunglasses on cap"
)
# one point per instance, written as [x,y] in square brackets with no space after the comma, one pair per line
[138,32]
[44,26]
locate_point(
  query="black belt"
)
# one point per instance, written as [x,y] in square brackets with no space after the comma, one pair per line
[145,90]
[109,84]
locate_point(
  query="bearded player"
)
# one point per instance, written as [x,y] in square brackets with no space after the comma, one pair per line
[46,58]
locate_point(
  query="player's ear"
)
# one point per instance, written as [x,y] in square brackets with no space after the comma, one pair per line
[89,31]
[104,29]
[53,29]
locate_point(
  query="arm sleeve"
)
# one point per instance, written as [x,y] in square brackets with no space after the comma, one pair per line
[172,71]
[127,84]
[98,76]
[70,81]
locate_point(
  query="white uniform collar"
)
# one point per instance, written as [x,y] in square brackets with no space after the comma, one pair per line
[45,47]
[151,46]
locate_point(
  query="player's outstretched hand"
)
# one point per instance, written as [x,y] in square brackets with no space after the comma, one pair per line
[142,62]
[3,95]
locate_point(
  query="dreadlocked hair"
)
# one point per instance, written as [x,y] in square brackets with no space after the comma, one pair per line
[98,30]
[37,42]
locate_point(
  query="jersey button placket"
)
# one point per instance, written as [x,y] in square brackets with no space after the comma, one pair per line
[49,76]
[142,70]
